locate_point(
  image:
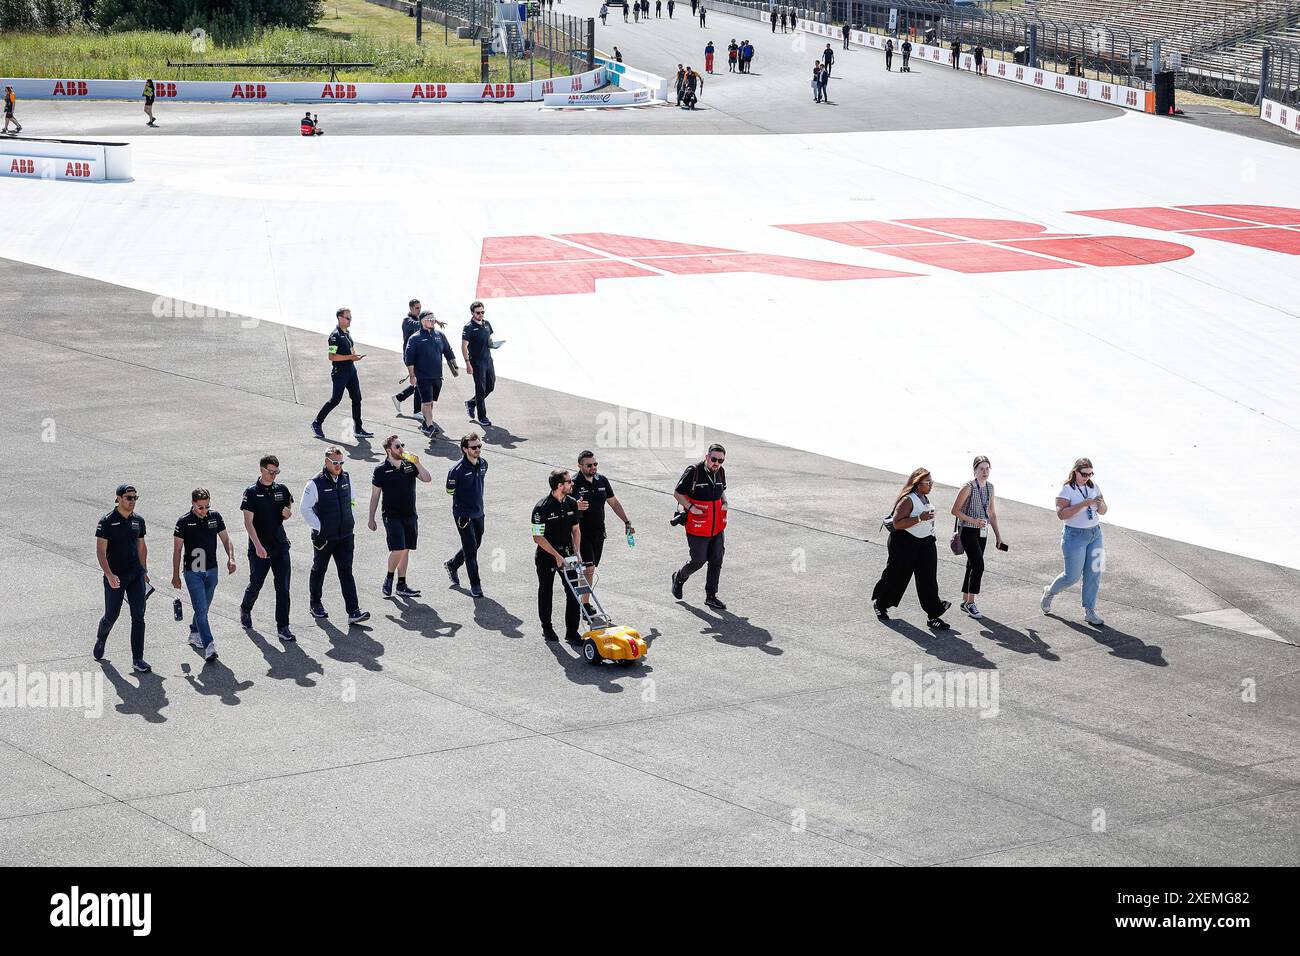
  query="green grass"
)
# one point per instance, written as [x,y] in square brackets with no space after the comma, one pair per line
[350,30]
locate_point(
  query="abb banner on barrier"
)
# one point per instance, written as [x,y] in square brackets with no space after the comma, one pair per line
[587,100]
[65,159]
[1287,117]
[319,92]
[1113,93]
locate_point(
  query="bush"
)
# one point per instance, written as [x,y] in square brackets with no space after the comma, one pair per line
[227,19]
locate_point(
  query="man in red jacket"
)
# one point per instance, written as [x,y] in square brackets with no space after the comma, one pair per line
[702,492]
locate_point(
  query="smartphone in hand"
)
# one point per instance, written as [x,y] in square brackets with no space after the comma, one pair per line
[1003,547]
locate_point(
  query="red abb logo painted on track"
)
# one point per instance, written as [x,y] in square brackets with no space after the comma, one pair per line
[570,263]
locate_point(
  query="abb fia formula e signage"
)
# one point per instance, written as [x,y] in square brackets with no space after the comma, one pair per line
[243,91]
[64,159]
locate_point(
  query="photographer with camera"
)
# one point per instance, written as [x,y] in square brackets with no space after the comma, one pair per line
[702,493]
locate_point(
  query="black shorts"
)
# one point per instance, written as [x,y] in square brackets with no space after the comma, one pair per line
[428,389]
[593,546]
[148,101]
[403,531]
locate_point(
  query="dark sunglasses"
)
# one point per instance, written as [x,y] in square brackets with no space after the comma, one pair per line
[130,497]
[716,461]
[473,447]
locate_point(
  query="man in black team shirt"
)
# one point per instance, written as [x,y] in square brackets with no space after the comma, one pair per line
[593,492]
[394,484]
[411,325]
[124,559]
[194,541]
[476,348]
[343,377]
[266,506]
[557,534]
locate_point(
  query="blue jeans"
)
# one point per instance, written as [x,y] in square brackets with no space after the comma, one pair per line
[1084,557]
[201,585]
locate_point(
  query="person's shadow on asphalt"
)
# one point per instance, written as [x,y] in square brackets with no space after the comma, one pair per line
[1022,643]
[355,646]
[146,699]
[734,631]
[215,679]
[491,616]
[499,437]
[286,660]
[1122,645]
[945,645]
[412,615]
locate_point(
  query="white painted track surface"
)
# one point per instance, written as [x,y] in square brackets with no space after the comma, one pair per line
[1180,380]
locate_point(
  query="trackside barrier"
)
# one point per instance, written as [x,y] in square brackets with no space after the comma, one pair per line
[1117,95]
[630,78]
[315,92]
[31,158]
[1279,114]
[593,100]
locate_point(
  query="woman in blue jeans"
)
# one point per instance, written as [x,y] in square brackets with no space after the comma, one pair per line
[194,549]
[1080,505]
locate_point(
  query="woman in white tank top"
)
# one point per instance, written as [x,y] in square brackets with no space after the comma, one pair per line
[912,553]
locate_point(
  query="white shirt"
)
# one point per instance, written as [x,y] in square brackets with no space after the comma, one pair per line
[922,529]
[1074,496]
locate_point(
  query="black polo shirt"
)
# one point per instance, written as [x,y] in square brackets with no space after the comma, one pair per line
[341,344]
[122,535]
[554,521]
[199,539]
[479,338]
[398,486]
[595,492]
[697,483]
[266,502]
[465,485]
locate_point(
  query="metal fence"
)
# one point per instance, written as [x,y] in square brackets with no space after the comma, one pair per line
[547,44]
[1281,80]
[1113,54]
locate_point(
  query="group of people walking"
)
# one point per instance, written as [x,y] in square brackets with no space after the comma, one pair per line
[913,551]
[570,520]
[740,56]
[782,16]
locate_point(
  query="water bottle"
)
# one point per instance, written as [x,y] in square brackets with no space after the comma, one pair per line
[177,611]
[631,541]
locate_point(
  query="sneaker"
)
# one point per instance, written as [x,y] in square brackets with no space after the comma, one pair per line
[405,590]
[388,587]
[397,406]
[712,600]
[196,642]
[141,667]
[469,408]
[937,624]
[286,635]
[573,638]
[549,634]
[358,616]
[451,573]
[881,613]
[475,591]
[971,609]
[1092,617]
[485,422]
[362,433]
[317,430]
[318,610]
[245,618]
[677,587]
[98,652]
[210,652]
[1046,602]
[943,609]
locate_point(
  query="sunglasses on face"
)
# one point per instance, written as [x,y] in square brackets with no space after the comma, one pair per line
[203,507]
[130,497]
[1085,474]
[272,471]
[478,311]
[717,461]
[473,447]
[331,461]
[397,444]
